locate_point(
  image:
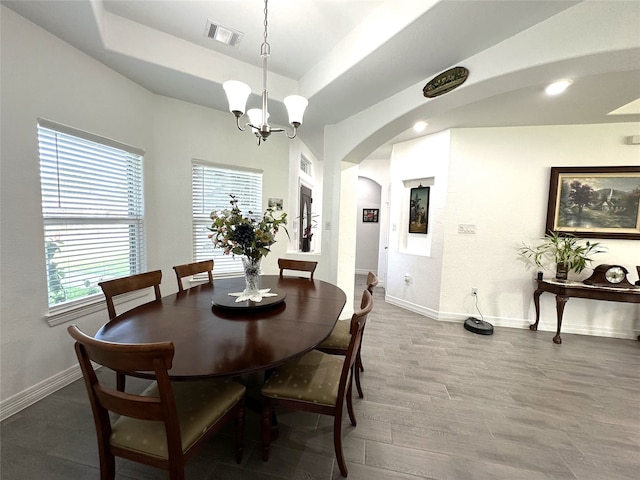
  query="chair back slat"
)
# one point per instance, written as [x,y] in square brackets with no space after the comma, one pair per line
[153,357]
[297,265]
[135,406]
[358,322]
[189,269]
[132,283]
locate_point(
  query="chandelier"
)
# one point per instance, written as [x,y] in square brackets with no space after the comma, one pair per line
[238,92]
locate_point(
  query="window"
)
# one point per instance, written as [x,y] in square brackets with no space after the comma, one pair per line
[211,186]
[305,165]
[92,206]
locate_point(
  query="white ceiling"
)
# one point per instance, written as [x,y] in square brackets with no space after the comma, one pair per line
[344,55]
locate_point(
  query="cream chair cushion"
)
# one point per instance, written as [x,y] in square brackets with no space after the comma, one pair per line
[313,378]
[339,337]
[199,405]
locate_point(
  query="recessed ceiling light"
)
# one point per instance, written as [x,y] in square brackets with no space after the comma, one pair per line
[420,126]
[557,87]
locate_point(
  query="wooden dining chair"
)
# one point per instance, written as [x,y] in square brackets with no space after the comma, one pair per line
[297,265]
[118,286]
[166,424]
[316,382]
[189,269]
[337,342]
[132,283]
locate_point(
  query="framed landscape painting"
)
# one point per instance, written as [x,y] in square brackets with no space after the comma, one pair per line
[419,210]
[595,202]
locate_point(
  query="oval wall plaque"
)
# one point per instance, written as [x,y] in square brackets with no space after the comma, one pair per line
[445,82]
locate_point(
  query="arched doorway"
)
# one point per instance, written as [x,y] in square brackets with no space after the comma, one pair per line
[368,226]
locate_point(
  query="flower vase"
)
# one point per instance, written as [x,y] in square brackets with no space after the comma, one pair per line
[251,276]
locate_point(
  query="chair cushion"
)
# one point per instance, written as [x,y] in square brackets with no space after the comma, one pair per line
[200,404]
[340,336]
[313,377]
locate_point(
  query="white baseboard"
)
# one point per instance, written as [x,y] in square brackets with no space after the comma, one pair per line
[522,323]
[31,395]
[412,307]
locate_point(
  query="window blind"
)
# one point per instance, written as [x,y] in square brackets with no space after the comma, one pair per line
[92,205]
[211,187]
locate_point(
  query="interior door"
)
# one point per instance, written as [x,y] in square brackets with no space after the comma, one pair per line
[305,218]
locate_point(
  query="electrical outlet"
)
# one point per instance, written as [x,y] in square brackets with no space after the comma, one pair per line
[474,291]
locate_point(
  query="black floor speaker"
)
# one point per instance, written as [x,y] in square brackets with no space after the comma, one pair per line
[478,326]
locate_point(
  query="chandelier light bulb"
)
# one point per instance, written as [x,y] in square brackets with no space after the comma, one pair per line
[296,106]
[237,95]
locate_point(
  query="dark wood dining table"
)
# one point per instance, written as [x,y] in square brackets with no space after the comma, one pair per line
[216,341]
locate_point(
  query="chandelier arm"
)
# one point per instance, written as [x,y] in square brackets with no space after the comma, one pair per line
[238,115]
[295,132]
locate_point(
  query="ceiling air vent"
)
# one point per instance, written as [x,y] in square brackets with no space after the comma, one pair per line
[223,34]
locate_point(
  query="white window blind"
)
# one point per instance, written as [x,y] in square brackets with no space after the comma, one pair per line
[92,204]
[211,186]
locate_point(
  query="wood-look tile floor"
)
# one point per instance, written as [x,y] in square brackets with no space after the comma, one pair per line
[440,403]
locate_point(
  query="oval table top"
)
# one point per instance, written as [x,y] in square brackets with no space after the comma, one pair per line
[210,341]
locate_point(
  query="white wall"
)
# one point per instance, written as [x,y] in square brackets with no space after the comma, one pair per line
[367,233]
[498,181]
[378,171]
[182,132]
[42,76]
[345,249]
[417,255]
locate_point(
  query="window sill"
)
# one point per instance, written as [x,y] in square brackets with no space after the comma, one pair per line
[64,314]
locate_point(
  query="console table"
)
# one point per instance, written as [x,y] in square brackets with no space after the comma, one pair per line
[565,290]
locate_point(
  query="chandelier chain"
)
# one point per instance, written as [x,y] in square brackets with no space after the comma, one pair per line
[265,48]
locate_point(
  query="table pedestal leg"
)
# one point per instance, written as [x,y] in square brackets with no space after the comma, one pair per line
[560,302]
[536,303]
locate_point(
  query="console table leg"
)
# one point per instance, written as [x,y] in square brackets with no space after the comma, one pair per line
[560,302]
[536,303]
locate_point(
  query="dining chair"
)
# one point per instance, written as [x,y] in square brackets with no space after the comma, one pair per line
[166,424]
[297,265]
[337,342]
[316,382]
[189,269]
[132,283]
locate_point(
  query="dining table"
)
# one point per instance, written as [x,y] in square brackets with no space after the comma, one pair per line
[215,336]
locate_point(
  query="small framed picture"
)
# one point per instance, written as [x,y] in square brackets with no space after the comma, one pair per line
[370,215]
[276,203]
[419,210]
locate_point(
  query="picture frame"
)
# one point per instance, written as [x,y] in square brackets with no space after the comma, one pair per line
[276,203]
[370,215]
[419,210]
[595,202]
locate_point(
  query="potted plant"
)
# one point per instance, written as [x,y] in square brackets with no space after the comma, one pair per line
[566,251]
